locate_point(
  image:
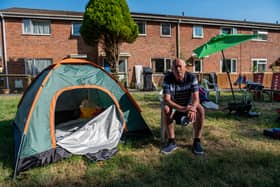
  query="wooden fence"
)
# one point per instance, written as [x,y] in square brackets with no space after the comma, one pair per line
[19,82]
[222,79]
[14,83]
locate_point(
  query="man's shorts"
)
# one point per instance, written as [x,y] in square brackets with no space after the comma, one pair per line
[181,118]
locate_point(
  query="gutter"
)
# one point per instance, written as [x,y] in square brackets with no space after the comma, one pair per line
[178,40]
[43,16]
[4,51]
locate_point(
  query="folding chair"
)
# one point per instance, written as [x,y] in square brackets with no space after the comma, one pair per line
[274,91]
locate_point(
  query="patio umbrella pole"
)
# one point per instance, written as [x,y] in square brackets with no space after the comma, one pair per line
[232,92]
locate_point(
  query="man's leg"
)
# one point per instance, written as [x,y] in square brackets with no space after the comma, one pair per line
[169,126]
[168,122]
[198,125]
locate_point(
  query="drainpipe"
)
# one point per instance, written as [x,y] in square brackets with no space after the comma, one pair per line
[178,44]
[4,50]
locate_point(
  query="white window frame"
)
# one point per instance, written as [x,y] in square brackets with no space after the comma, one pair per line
[34,61]
[231,65]
[194,62]
[194,31]
[165,69]
[72,28]
[145,28]
[31,31]
[260,32]
[233,30]
[258,63]
[161,29]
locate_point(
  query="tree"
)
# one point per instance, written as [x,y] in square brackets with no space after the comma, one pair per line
[108,23]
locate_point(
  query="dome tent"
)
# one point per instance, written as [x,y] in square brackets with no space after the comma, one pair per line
[54,99]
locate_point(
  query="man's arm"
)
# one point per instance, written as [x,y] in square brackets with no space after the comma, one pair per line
[195,99]
[192,108]
[172,104]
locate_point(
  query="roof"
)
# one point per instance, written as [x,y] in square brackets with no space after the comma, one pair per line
[41,13]
[72,15]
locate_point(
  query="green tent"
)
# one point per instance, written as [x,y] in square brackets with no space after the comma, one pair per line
[59,95]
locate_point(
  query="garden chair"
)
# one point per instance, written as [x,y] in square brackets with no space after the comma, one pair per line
[258,77]
[258,93]
[206,85]
[274,91]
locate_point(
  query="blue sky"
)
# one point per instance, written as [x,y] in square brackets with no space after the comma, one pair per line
[251,10]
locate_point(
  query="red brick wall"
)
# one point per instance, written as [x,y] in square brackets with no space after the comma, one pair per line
[55,46]
[1,48]
[60,44]
[150,46]
[243,52]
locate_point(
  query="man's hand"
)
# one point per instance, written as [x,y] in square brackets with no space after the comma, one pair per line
[191,113]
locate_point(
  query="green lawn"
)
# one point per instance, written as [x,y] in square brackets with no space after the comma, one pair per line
[237,154]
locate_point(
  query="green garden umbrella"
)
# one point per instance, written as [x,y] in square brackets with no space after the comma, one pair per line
[219,43]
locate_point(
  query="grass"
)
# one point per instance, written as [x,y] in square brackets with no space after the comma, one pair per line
[237,154]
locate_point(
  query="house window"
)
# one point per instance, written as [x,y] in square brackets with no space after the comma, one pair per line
[197,31]
[231,64]
[141,28]
[165,29]
[35,66]
[36,27]
[197,66]
[259,65]
[262,35]
[161,65]
[228,30]
[76,28]
[122,66]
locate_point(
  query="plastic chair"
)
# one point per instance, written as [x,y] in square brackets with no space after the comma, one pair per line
[206,84]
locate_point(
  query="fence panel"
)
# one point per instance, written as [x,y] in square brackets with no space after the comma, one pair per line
[14,83]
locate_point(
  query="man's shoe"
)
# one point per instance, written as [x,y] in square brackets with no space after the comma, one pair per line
[169,148]
[197,149]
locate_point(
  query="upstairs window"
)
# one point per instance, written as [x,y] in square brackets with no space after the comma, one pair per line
[161,65]
[36,27]
[231,64]
[228,30]
[35,66]
[197,31]
[76,28]
[262,35]
[259,65]
[141,28]
[165,29]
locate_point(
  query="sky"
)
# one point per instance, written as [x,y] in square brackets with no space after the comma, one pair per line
[250,10]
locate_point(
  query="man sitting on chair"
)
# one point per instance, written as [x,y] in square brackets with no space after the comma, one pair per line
[181,98]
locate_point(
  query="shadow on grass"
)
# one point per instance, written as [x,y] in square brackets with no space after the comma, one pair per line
[229,167]
[6,144]
[211,169]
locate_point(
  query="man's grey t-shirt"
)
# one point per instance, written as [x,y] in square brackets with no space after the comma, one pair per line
[180,91]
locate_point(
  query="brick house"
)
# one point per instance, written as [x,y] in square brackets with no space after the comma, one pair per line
[31,39]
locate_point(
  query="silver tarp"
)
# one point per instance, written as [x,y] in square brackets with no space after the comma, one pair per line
[91,136]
